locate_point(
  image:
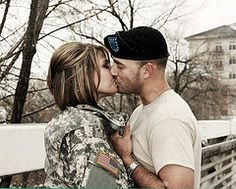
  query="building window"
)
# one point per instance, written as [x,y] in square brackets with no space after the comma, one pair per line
[232,76]
[219,48]
[219,64]
[232,46]
[232,60]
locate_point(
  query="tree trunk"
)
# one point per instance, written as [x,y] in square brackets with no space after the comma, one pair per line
[29,50]
[37,14]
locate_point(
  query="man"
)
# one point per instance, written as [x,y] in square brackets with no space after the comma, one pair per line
[165,137]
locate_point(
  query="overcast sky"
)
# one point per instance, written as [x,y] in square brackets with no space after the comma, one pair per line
[211,14]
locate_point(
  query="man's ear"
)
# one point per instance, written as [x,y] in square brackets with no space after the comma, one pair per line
[149,68]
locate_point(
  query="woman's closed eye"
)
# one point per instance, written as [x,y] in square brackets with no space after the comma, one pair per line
[107,65]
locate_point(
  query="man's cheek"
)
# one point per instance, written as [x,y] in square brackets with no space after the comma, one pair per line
[123,75]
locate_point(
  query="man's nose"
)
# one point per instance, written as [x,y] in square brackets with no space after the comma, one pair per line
[114,70]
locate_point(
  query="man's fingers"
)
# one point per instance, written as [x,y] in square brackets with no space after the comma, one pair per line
[127,129]
[115,135]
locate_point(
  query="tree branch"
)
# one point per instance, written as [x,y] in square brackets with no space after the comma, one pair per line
[39,110]
[4,16]
[7,70]
[73,23]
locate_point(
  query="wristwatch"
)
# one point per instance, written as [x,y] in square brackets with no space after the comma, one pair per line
[132,167]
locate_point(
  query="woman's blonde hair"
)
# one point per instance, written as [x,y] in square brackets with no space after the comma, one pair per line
[71,74]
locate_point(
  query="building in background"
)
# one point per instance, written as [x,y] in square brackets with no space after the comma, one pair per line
[217,48]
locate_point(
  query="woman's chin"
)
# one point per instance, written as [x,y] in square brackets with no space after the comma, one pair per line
[108,93]
[114,91]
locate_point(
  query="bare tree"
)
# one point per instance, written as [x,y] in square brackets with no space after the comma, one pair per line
[197,82]
[36,17]
[37,13]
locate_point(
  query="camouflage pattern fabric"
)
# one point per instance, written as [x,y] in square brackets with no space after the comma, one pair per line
[73,140]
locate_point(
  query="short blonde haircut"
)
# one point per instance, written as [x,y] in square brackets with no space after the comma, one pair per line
[71,74]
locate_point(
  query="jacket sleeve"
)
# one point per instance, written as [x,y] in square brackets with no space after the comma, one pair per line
[74,153]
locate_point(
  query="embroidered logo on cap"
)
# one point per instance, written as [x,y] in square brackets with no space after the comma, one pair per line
[113,43]
[108,163]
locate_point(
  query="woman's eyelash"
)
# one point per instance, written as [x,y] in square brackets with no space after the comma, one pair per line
[106,65]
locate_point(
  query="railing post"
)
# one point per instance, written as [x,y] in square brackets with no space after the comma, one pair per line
[233,169]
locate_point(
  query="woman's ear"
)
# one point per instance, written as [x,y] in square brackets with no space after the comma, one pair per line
[149,68]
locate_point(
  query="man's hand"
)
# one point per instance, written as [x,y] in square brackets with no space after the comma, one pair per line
[141,176]
[123,145]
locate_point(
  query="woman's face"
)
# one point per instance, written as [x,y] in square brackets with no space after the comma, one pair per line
[107,84]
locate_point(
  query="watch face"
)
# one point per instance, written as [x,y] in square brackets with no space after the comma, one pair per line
[132,167]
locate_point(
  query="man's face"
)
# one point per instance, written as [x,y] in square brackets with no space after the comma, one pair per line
[127,75]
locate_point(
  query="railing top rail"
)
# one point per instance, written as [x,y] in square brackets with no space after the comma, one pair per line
[218,148]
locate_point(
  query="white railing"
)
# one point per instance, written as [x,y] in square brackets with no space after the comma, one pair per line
[22,150]
[217,128]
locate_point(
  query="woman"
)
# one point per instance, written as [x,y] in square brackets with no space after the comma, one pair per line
[76,140]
